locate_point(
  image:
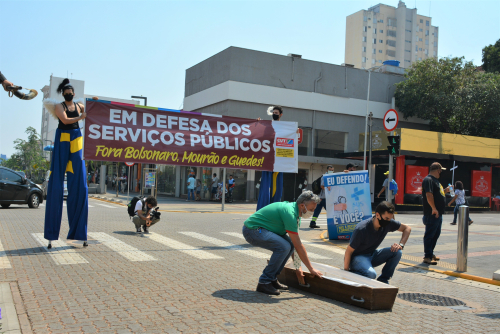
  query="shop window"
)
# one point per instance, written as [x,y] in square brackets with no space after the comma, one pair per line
[328,143]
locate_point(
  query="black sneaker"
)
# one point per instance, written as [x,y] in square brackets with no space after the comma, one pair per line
[313,226]
[279,286]
[138,229]
[267,289]
[145,228]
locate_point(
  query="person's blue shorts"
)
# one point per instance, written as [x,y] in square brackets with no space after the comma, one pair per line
[214,190]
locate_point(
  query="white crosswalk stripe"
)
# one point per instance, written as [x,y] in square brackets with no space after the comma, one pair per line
[60,252]
[227,245]
[4,261]
[309,254]
[184,248]
[324,246]
[129,252]
[107,206]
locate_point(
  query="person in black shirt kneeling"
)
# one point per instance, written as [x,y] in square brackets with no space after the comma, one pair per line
[362,255]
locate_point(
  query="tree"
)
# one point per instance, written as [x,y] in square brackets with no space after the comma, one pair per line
[453,96]
[28,156]
[491,58]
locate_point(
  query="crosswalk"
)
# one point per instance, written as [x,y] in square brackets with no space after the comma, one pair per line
[193,244]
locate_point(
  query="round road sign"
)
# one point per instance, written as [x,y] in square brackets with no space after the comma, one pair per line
[391,120]
[130,164]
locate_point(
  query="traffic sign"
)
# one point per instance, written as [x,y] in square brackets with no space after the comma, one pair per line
[301,133]
[391,120]
[130,164]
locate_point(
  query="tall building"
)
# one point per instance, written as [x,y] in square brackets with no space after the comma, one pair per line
[3,157]
[387,33]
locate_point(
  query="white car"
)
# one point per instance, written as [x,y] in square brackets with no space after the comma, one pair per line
[46,185]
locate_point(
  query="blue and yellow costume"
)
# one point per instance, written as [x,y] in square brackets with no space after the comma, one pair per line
[271,188]
[67,158]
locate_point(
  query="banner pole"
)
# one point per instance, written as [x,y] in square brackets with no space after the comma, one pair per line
[223,189]
[128,185]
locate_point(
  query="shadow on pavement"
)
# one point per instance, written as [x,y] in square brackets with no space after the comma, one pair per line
[249,296]
[490,315]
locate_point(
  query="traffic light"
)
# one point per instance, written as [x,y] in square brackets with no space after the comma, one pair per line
[394,145]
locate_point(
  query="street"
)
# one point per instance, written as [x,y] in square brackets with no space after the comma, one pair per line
[194,273]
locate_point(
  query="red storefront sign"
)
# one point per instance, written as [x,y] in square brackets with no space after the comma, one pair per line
[481,184]
[414,177]
[126,133]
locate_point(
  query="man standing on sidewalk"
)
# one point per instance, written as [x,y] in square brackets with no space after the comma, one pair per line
[362,255]
[434,203]
[268,228]
[322,204]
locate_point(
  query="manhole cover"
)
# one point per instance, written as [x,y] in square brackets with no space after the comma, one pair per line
[431,300]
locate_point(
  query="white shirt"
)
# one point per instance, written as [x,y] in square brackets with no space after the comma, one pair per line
[138,206]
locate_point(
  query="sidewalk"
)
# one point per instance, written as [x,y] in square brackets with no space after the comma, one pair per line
[172,204]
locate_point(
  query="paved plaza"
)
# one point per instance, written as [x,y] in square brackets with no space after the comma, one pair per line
[196,274]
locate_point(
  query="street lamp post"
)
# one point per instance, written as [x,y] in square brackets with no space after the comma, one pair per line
[367,112]
[142,165]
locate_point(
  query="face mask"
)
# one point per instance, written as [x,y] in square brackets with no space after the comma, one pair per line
[330,172]
[276,117]
[383,222]
[308,214]
[68,97]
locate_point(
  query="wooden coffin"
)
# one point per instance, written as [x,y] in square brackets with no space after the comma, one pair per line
[343,286]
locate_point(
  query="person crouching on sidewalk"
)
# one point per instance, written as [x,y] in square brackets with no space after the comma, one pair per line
[268,228]
[362,255]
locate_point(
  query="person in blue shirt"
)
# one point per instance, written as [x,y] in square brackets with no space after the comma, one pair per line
[191,184]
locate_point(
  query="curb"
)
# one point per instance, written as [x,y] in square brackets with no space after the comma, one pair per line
[444,272]
[182,211]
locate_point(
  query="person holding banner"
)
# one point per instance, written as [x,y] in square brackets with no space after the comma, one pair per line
[362,255]
[67,159]
[268,228]
[271,183]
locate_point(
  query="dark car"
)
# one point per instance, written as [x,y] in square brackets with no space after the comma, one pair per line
[16,189]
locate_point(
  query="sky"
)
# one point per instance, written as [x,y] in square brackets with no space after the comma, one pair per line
[125,48]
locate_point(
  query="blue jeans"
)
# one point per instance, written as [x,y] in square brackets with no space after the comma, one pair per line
[317,211]
[431,234]
[455,214]
[190,194]
[363,264]
[280,245]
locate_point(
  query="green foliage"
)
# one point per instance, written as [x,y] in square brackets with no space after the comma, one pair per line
[28,157]
[491,58]
[453,96]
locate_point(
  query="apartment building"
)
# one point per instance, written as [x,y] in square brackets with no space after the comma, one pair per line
[388,33]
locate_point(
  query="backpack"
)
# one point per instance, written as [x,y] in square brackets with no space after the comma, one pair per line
[316,186]
[132,204]
[394,187]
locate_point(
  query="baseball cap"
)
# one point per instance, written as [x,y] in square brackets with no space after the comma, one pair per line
[436,165]
[386,173]
[350,164]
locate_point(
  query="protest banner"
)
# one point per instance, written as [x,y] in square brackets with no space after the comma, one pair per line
[130,133]
[347,202]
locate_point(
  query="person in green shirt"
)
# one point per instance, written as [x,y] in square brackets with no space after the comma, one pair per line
[268,228]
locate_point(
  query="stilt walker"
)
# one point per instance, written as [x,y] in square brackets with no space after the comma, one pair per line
[271,183]
[67,159]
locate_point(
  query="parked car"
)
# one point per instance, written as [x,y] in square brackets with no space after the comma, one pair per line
[45,185]
[16,189]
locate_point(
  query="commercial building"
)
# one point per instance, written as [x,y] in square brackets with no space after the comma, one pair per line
[388,33]
[329,103]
